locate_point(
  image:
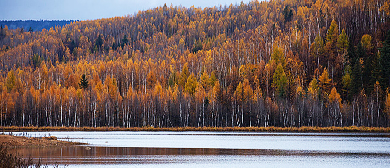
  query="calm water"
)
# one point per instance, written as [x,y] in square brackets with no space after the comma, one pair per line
[214,149]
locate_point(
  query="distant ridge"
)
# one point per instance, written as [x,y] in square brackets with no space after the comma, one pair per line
[36,25]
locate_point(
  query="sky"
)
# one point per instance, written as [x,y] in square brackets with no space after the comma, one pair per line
[91,9]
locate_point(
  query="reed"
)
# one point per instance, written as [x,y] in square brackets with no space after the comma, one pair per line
[8,160]
[212,129]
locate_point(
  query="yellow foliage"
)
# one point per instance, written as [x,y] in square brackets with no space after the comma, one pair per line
[151,79]
[200,93]
[300,91]
[112,87]
[190,85]
[248,91]
[366,42]
[130,93]
[313,88]
[386,8]
[152,54]
[79,93]
[334,96]
[277,56]
[239,92]
[387,105]
[158,91]
[204,79]
[174,91]
[244,91]
[325,81]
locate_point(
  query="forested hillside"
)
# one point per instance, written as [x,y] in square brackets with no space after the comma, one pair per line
[277,63]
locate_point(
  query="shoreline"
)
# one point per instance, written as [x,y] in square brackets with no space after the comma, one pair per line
[22,141]
[212,129]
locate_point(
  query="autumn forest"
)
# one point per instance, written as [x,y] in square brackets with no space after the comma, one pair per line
[283,63]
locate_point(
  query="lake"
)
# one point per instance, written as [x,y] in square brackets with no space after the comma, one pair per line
[214,149]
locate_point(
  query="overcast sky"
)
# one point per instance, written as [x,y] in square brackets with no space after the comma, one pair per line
[90,9]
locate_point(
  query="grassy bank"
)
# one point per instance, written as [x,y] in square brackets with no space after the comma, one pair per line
[8,160]
[216,129]
[21,141]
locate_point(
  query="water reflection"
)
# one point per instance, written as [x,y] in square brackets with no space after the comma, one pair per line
[139,155]
[335,142]
[215,149]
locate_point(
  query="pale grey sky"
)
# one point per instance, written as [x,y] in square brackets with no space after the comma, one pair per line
[90,9]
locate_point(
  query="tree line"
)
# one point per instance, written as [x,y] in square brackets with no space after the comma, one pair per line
[277,63]
[33,25]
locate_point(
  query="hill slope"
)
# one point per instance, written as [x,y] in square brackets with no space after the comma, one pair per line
[277,63]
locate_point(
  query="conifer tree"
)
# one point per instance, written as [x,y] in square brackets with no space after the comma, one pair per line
[385,62]
[83,82]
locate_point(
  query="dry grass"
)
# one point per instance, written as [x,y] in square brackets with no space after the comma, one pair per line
[21,141]
[216,129]
[8,160]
